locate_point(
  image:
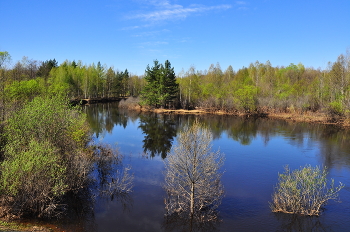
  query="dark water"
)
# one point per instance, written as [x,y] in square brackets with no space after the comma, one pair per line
[256,150]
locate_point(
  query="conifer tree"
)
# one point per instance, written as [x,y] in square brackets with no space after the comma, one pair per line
[161,87]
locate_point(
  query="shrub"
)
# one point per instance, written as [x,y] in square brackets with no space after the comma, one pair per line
[303,191]
[336,108]
[45,157]
[131,103]
[246,98]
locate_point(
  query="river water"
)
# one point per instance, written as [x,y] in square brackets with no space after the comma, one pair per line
[256,150]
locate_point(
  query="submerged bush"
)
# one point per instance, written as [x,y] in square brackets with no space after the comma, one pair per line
[303,191]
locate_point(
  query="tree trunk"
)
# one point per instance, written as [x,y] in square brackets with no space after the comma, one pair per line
[192,200]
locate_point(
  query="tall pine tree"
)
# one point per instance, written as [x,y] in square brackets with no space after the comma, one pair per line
[161,87]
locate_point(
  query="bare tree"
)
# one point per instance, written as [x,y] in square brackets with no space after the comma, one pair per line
[192,175]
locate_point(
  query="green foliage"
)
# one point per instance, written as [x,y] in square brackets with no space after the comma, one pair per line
[23,90]
[336,108]
[303,191]
[161,87]
[277,88]
[45,68]
[44,155]
[38,166]
[4,57]
[43,119]
[246,98]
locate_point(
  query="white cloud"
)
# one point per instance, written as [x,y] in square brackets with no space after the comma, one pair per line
[164,10]
[154,43]
[240,3]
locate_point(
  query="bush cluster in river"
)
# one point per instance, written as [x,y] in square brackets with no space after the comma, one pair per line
[303,191]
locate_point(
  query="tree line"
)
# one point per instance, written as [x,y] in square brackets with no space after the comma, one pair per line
[258,88]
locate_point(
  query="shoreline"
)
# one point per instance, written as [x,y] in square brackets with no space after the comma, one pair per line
[308,117]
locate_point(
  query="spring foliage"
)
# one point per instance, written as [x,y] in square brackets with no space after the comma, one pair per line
[45,156]
[303,191]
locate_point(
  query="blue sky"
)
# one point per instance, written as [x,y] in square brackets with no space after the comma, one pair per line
[132,33]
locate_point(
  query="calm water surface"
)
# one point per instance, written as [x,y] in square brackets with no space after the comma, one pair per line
[256,150]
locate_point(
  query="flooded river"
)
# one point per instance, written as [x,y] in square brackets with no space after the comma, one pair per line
[256,150]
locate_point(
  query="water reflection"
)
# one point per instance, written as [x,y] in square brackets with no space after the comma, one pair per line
[159,131]
[291,223]
[249,179]
[178,223]
[110,181]
[334,149]
[103,117]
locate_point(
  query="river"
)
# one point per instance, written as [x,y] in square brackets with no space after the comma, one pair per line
[256,150]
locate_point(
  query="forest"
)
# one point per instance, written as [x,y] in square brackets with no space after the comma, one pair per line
[257,88]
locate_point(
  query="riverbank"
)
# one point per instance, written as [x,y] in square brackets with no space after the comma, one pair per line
[309,117]
[132,103]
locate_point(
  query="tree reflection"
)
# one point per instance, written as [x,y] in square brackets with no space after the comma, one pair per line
[102,117]
[299,223]
[79,215]
[334,149]
[159,131]
[177,222]
[112,178]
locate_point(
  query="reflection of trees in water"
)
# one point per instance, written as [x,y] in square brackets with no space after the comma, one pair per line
[334,149]
[79,215]
[102,117]
[177,222]
[159,131]
[299,223]
[110,180]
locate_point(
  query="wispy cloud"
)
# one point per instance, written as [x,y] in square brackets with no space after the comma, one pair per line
[164,10]
[154,43]
[241,3]
[151,33]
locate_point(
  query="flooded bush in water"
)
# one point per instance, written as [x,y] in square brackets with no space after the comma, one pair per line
[192,176]
[113,179]
[303,191]
[45,157]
